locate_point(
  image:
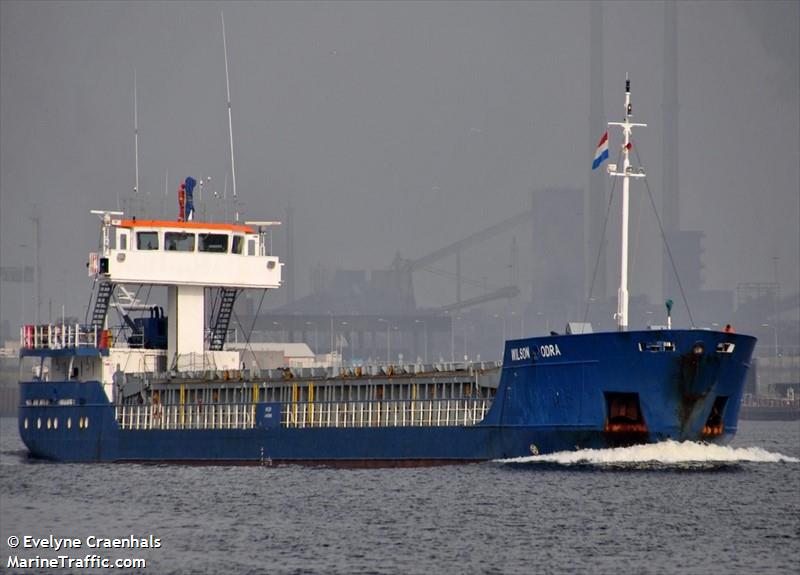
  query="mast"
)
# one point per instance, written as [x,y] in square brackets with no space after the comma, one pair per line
[136,131]
[230,119]
[626,173]
[37,278]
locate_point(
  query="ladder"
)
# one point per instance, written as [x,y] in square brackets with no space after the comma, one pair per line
[101,302]
[220,330]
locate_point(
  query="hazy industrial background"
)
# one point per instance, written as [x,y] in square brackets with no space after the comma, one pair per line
[396,128]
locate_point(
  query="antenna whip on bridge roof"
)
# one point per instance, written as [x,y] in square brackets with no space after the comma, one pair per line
[230,119]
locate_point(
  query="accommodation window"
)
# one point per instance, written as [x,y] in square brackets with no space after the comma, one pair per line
[217,243]
[238,244]
[147,240]
[179,242]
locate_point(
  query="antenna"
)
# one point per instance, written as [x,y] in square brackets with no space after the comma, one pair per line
[136,131]
[230,120]
[166,192]
[225,196]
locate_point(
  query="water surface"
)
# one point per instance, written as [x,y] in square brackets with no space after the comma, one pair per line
[672,508]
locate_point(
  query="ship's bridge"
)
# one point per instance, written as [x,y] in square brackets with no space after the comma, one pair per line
[187,257]
[187,254]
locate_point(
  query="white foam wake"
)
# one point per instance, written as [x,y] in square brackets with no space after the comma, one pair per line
[667,452]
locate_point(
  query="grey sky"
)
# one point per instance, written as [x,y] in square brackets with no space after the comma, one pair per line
[391,126]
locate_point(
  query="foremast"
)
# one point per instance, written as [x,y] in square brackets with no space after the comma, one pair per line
[626,174]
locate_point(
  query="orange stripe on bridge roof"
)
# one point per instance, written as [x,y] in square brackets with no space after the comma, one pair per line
[185,225]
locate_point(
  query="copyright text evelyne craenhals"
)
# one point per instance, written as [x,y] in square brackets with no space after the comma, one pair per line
[90,552]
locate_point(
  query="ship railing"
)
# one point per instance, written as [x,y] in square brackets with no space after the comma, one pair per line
[187,416]
[750,401]
[391,413]
[63,336]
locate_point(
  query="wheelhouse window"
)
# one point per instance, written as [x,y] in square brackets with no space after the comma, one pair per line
[251,247]
[179,242]
[238,244]
[147,240]
[216,243]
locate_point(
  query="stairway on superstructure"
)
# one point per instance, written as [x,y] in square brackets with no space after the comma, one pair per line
[101,302]
[220,330]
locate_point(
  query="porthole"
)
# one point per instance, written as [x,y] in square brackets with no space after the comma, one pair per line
[55,423]
[69,423]
[38,423]
[25,423]
[80,423]
[86,422]
[49,423]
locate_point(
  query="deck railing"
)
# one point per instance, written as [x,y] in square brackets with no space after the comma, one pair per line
[392,413]
[187,416]
[62,336]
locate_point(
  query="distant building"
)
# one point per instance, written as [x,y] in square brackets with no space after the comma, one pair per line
[776,376]
[275,355]
[708,306]
[558,254]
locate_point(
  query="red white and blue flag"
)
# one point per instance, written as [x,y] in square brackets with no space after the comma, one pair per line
[601,154]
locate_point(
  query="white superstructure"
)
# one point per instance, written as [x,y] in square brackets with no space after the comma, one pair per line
[192,253]
[186,257]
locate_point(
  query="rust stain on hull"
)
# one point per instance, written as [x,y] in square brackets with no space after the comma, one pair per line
[690,369]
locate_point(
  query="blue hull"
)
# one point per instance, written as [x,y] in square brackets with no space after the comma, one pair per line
[556,393]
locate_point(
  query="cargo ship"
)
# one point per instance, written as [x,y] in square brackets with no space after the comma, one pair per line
[170,391]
